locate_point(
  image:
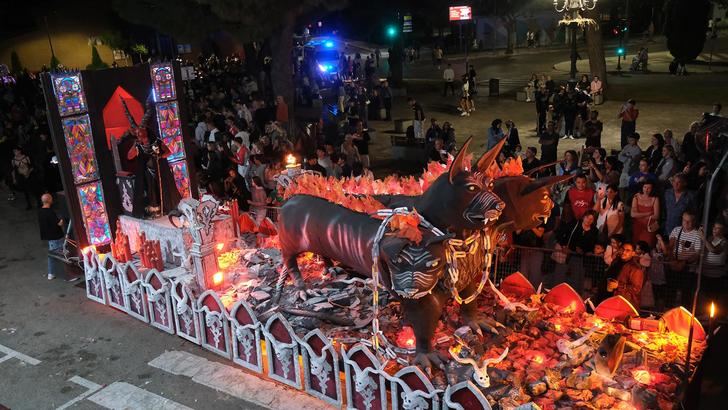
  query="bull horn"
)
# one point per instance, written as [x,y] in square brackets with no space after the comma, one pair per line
[487,159]
[458,164]
[540,167]
[544,182]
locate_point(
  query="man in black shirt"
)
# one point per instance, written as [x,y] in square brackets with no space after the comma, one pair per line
[549,141]
[576,240]
[419,117]
[361,140]
[531,162]
[51,230]
[313,165]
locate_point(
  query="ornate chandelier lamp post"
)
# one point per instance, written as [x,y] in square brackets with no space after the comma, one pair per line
[573,20]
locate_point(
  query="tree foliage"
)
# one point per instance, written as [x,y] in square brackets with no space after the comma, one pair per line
[96,61]
[508,11]
[685,27]
[248,20]
[15,66]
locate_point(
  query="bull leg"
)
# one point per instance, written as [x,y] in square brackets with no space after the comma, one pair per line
[423,314]
[470,315]
[291,263]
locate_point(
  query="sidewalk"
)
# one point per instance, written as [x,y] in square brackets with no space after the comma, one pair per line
[658,63]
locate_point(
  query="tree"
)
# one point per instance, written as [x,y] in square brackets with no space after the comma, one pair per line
[140,50]
[96,61]
[685,27]
[55,63]
[595,48]
[15,66]
[248,20]
[508,11]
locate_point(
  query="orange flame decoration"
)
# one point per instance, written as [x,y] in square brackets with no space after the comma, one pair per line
[406,227]
[355,194]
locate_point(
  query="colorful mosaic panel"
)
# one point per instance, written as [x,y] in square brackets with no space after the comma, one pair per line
[68,89]
[168,117]
[181,177]
[80,146]
[163,82]
[91,197]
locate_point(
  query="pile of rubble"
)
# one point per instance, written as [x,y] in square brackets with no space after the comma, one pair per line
[550,354]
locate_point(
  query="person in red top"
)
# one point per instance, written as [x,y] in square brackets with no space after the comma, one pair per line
[580,198]
[628,114]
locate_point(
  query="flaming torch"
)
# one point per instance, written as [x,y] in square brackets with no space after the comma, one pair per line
[711,319]
[292,167]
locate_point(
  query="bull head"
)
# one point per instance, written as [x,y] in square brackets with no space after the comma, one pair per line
[527,201]
[462,198]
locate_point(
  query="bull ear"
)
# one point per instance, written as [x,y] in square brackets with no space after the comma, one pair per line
[544,182]
[458,164]
[490,156]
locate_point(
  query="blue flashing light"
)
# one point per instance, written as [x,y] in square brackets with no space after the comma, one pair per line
[620,51]
[324,67]
[329,44]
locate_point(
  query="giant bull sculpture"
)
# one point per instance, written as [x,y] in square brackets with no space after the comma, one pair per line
[460,202]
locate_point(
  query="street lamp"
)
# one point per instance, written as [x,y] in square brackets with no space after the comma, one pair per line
[573,19]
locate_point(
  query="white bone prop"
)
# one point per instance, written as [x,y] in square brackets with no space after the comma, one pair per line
[480,372]
[508,305]
[567,347]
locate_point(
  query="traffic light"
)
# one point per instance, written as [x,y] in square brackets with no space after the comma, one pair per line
[620,51]
[391,31]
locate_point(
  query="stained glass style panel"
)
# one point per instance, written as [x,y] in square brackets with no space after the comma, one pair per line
[91,197]
[181,177]
[68,89]
[168,116]
[163,82]
[80,146]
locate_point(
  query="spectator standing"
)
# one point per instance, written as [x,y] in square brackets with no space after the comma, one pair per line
[685,246]
[629,157]
[549,141]
[22,173]
[466,102]
[418,119]
[530,161]
[361,139]
[645,213]
[51,230]
[654,151]
[438,54]
[596,86]
[677,200]
[642,175]
[579,198]
[512,139]
[628,114]
[631,276]
[611,212]
[386,94]
[667,165]
[714,264]
[531,260]
[542,107]
[576,240]
[259,200]
[495,133]
[593,130]
[448,76]
[688,148]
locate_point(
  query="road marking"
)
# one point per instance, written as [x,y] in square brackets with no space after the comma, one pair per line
[88,384]
[235,382]
[124,396]
[13,353]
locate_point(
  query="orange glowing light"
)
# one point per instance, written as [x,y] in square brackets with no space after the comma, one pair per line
[219,246]
[642,376]
[557,327]
[290,161]
[410,342]
[217,278]
[598,323]
[538,359]
[712,310]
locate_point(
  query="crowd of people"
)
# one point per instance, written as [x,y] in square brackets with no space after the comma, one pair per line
[630,217]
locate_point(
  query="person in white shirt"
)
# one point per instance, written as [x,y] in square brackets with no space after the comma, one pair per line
[200,133]
[448,75]
[685,246]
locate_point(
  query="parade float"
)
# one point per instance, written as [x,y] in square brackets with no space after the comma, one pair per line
[369,294]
